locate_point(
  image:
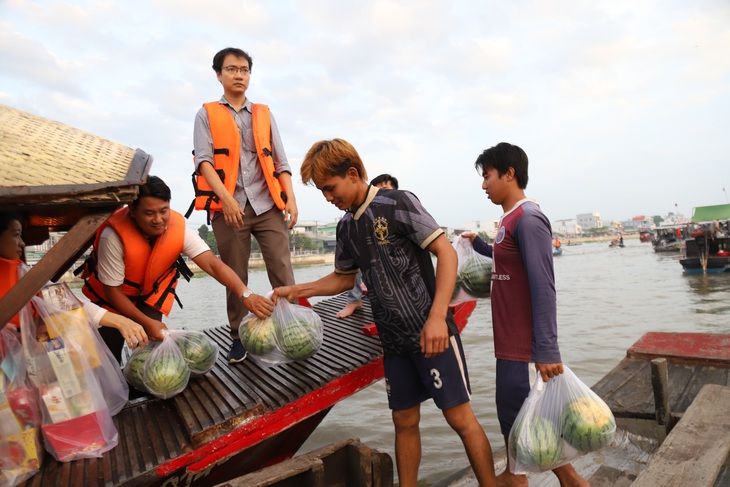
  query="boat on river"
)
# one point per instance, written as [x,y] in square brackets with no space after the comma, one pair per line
[670,396]
[707,250]
[669,238]
[235,419]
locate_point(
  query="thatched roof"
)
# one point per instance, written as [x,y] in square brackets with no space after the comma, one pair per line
[53,173]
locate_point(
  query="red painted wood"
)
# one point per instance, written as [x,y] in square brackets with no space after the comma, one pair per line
[276,421]
[699,348]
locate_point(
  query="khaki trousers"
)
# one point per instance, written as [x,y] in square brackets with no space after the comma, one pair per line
[234,246]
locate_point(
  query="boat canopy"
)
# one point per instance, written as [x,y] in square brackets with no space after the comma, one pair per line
[60,179]
[711,213]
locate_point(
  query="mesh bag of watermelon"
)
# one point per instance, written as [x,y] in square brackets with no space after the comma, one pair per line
[473,273]
[559,421]
[198,350]
[165,373]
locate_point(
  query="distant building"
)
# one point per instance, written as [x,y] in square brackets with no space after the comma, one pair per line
[567,228]
[638,223]
[588,221]
[476,226]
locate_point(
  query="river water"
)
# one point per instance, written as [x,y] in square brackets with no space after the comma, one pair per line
[607,299]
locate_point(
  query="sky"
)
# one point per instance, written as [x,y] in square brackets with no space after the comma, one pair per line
[622,106]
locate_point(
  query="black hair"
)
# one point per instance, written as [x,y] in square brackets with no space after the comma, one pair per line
[6,217]
[501,157]
[383,178]
[221,56]
[154,187]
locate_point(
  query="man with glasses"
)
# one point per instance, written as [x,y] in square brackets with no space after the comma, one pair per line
[243,180]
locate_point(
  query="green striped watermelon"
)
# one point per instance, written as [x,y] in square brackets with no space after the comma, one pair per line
[536,443]
[476,276]
[134,367]
[587,424]
[299,340]
[199,352]
[258,336]
[165,374]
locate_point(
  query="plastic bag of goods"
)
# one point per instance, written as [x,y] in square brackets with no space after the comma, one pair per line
[473,273]
[198,350]
[20,449]
[75,419]
[559,421]
[293,332]
[67,315]
[158,369]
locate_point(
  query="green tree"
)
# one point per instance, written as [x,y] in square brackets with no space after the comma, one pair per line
[485,237]
[657,220]
[209,238]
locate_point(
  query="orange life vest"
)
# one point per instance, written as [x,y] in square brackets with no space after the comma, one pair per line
[227,152]
[8,279]
[150,271]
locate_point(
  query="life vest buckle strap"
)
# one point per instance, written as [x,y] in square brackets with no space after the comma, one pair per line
[222,151]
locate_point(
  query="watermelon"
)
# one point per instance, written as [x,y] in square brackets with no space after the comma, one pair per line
[587,424]
[258,336]
[476,276]
[134,368]
[457,288]
[536,443]
[299,340]
[165,374]
[199,352]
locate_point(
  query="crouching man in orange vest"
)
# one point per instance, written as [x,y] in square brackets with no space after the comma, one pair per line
[136,261]
[243,180]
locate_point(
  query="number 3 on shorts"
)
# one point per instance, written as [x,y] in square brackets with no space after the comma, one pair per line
[436,378]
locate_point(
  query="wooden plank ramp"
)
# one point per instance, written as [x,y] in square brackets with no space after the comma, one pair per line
[233,407]
[697,448]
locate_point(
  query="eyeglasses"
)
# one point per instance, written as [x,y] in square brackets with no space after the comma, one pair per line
[236,69]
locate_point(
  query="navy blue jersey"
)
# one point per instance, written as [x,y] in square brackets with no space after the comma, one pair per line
[386,238]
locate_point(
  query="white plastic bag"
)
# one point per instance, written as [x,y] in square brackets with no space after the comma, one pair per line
[293,332]
[158,369]
[473,273]
[66,313]
[559,421]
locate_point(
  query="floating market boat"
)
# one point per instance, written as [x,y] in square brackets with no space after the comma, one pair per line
[235,419]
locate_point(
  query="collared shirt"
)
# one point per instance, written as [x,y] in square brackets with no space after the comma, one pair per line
[251,185]
[386,238]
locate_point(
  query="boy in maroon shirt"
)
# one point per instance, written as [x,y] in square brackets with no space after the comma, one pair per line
[523,298]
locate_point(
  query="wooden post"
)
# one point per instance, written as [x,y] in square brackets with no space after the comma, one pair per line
[660,384]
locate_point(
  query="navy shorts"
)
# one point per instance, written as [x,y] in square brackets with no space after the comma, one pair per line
[514,380]
[411,379]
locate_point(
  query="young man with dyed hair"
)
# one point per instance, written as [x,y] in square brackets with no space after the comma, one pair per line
[389,237]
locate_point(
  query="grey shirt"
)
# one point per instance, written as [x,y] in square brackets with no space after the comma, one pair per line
[251,186]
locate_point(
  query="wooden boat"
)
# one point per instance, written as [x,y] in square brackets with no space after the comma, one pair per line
[645,235]
[348,463]
[669,238]
[671,399]
[706,251]
[234,420]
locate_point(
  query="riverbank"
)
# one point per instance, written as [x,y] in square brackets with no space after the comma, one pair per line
[305,260]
